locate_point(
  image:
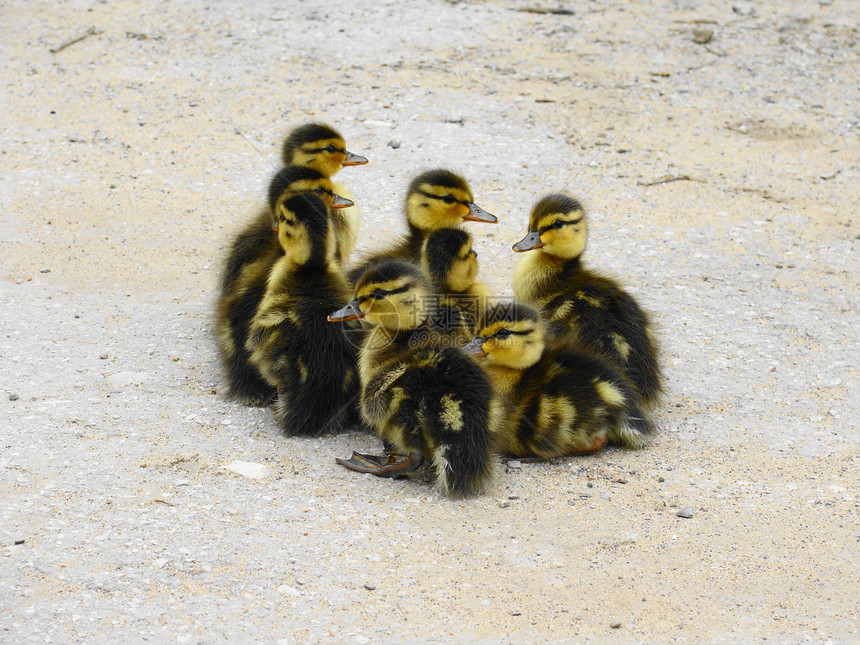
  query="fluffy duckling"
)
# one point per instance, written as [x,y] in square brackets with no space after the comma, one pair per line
[323,148]
[244,283]
[423,399]
[552,400]
[583,305]
[311,364]
[451,264]
[435,199]
[319,146]
[259,238]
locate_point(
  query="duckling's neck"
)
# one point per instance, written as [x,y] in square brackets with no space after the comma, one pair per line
[477,289]
[538,273]
[504,379]
[415,239]
[288,265]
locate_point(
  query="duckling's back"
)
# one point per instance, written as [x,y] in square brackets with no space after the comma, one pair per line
[570,402]
[312,362]
[598,313]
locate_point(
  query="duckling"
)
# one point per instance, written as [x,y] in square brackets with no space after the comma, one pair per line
[451,263]
[311,364]
[425,400]
[435,199]
[583,305]
[552,399]
[244,283]
[323,148]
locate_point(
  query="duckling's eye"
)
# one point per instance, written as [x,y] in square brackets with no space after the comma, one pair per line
[330,149]
[503,334]
[319,190]
[289,222]
[474,253]
[449,199]
[557,224]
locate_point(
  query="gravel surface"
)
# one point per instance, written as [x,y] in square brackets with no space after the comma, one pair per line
[721,174]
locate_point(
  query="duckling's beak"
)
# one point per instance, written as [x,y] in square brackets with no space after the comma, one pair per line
[350,312]
[474,348]
[353,159]
[478,214]
[529,242]
[342,202]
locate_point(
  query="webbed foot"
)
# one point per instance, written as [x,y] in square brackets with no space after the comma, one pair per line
[382,465]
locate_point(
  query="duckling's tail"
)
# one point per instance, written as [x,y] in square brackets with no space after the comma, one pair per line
[457,436]
[317,408]
[631,427]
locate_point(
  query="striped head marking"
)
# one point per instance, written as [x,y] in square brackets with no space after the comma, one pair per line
[557,226]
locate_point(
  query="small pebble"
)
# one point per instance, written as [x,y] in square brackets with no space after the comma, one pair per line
[702,35]
[685,512]
[504,503]
[370,586]
[13,397]
[103,356]
[45,270]
[514,463]
[661,479]
[615,625]
[394,144]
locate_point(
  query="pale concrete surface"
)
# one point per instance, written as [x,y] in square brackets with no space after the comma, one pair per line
[131,156]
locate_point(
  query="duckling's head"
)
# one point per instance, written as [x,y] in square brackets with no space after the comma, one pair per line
[557,226]
[393,295]
[448,258]
[295,180]
[319,146]
[442,199]
[512,336]
[304,231]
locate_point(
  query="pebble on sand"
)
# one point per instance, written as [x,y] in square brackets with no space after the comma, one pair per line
[249,469]
[702,36]
[685,512]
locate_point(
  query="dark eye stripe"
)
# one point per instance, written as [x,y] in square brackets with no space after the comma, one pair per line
[381,293]
[563,223]
[441,197]
[512,332]
[316,150]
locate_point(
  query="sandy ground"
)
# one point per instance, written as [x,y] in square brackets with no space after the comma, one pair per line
[131,156]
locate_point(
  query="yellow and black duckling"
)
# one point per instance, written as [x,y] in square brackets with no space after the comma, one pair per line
[319,146]
[323,148]
[451,264]
[244,283]
[552,400]
[435,199]
[582,305]
[311,363]
[425,400]
[312,145]
[260,239]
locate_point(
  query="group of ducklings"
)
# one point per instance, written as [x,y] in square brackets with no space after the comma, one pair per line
[420,353]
